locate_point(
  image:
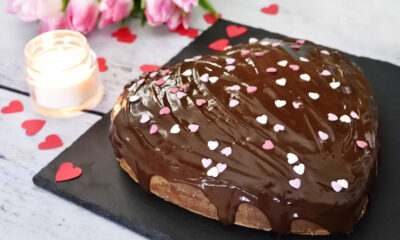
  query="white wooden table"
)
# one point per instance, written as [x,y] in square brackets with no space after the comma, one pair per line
[361,27]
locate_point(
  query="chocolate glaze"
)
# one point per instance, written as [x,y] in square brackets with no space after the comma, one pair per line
[255,175]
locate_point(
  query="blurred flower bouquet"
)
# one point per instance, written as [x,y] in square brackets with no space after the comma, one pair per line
[83,15]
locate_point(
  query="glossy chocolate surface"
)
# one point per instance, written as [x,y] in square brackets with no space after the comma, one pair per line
[312,156]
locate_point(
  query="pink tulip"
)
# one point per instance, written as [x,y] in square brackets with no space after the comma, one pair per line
[158,11]
[178,18]
[32,10]
[53,23]
[114,11]
[82,15]
[186,5]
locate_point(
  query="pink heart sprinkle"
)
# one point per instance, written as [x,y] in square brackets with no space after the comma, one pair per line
[165,72]
[259,54]
[173,90]
[145,118]
[234,88]
[233,103]
[361,144]
[153,129]
[206,162]
[325,52]
[322,135]
[165,111]
[268,145]
[300,41]
[336,186]
[200,102]
[244,52]
[196,57]
[153,74]
[181,95]
[296,104]
[204,77]
[271,70]
[294,67]
[193,127]
[332,117]
[221,167]
[278,127]
[184,86]
[295,183]
[230,60]
[251,89]
[227,151]
[160,82]
[230,68]
[325,73]
[295,47]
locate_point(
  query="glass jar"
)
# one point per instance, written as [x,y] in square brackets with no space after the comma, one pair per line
[62,73]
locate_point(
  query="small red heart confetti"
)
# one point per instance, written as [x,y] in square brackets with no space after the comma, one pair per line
[149,68]
[219,45]
[190,32]
[234,31]
[124,35]
[52,141]
[102,64]
[210,18]
[67,171]
[13,107]
[32,126]
[271,9]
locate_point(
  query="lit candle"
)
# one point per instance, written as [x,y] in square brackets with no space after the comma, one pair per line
[62,73]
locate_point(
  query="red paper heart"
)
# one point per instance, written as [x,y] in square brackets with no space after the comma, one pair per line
[149,68]
[124,35]
[32,126]
[67,171]
[191,32]
[272,9]
[13,107]
[102,64]
[234,31]
[52,141]
[210,18]
[219,45]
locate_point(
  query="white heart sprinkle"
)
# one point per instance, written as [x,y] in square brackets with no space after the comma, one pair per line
[292,158]
[334,85]
[303,59]
[206,162]
[278,127]
[322,135]
[221,167]
[253,40]
[354,115]
[213,172]
[145,118]
[343,183]
[212,145]
[283,63]
[175,129]
[325,73]
[280,103]
[305,77]
[262,119]
[204,77]
[230,60]
[299,169]
[230,68]
[332,117]
[345,119]
[281,81]
[193,127]
[181,95]
[313,95]
[264,43]
[325,52]
[233,103]
[296,105]
[213,79]
[234,88]
[133,98]
[226,151]
[186,73]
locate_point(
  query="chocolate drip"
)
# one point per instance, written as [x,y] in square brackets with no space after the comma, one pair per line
[324,116]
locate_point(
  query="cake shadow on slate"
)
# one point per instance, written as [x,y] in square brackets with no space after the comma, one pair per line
[273,135]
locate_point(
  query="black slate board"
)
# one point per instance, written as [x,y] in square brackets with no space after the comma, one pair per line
[108,191]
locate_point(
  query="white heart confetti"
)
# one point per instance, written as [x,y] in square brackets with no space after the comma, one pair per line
[262,119]
[230,60]
[234,88]
[299,169]
[332,117]
[206,162]
[280,103]
[313,95]
[145,118]
[345,119]
[212,145]
[204,77]
[303,59]
[292,158]
[343,183]
[264,43]
[213,172]
[253,40]
[283,63]
[175,129]
[186,73]
[233,103]
[226,151]
[221,167]
[213,79]
[325,73]
[334,85]
[322,135]
[281,81]
[354,115]
[305,77]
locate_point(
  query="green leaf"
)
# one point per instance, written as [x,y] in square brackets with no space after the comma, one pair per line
[142,4]
[65,4]
[207,6]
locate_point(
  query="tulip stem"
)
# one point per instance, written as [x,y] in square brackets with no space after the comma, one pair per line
[207,6]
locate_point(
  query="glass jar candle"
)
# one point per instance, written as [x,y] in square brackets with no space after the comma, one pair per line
[62,73]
